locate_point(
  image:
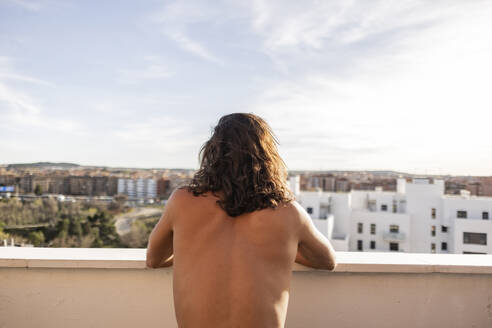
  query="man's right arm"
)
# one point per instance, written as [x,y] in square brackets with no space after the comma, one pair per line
[314,249]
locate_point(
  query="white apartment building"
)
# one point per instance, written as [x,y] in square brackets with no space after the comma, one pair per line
[138,189]
[417,218]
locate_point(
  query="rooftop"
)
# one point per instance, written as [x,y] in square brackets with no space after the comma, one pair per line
[79,287]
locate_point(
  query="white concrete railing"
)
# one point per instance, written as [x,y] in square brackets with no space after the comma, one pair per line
[77,287]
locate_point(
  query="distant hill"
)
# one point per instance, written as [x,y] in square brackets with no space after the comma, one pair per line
[374,172]
[44,165]
[65,166]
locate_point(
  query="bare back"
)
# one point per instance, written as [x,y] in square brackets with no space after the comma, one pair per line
[232,272]
[236,271]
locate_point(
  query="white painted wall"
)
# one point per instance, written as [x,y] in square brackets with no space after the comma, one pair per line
[421,198]
[470,225]
[383,220]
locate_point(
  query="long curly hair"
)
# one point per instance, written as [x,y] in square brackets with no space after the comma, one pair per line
[241,162]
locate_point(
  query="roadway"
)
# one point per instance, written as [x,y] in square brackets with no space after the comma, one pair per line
[124,221]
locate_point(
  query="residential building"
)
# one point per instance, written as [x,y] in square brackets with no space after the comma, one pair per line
[80,185]
[418,217]
[138,189]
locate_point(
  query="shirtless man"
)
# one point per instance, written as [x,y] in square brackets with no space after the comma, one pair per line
[234,233]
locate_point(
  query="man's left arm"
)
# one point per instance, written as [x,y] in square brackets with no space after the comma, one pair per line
[160,245]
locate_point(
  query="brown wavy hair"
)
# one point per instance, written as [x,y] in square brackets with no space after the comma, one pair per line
[241,162]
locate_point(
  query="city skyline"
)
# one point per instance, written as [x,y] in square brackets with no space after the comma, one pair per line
[344,85]
[66,165]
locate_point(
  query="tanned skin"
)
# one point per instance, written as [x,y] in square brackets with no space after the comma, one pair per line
[233,272]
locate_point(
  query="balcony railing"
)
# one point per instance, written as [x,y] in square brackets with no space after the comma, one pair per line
[394,236]
[339,236]
[69,287]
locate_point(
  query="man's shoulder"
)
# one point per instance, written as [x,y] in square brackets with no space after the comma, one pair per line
[295,210]
[178,197]
[185,196]
[291,207]
[181,193]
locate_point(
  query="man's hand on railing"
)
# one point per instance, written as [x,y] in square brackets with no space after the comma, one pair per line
[166,262]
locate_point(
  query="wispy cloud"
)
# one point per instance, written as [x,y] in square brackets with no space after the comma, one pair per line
[36,5]
[399,85]
[7,72]
[19,109]
[32,5]
[155,132]
[340,33]
[192,46]
[153,69]
[175,20]
[23,78]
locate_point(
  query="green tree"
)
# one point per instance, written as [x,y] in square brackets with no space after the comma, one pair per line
[50,210]
[97,243]
[103,221]
[72,224]
[63,226]
[36,238]
[118,202]
[86,227]
[86,241]
[137,237]
[38,190]
[3,235]
[76,228]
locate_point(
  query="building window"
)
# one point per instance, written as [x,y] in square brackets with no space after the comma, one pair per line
[461,214]
[444,229]
[433,213]
[474,238]
[433,248]
[359,227]
[394,247]
[444,246]
[433,231]
[373,228]
[359,245]
[373,244]
[395,207]
[485,215]
[384,207]
[371,204]
[394,228]
[310,210]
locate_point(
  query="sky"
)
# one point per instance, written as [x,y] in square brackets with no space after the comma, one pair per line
[345,85]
